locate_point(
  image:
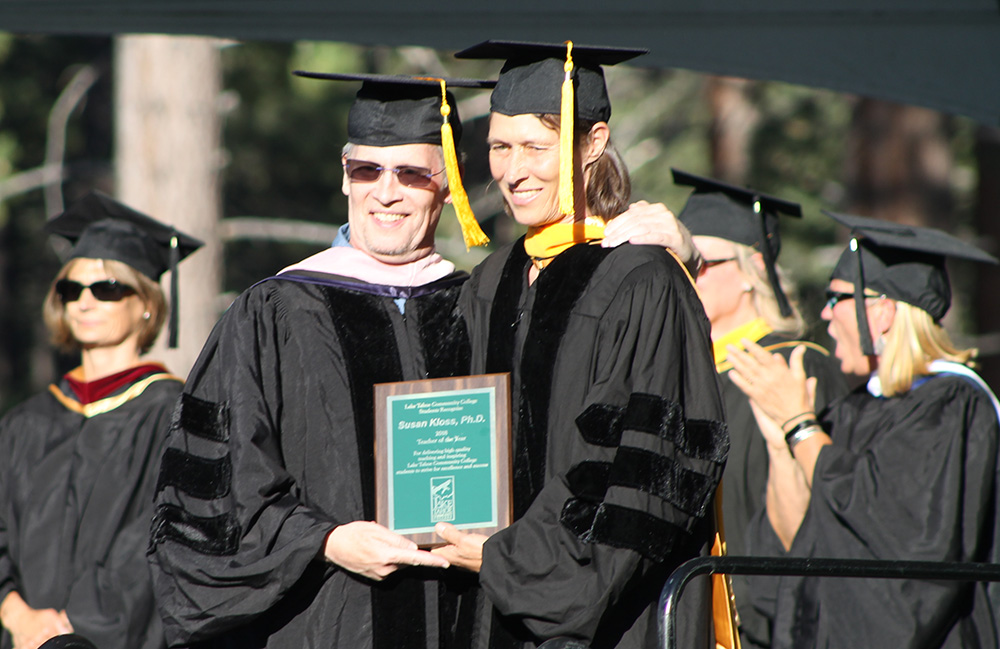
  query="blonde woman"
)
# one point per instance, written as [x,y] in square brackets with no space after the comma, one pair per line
[78,462]
[904,467]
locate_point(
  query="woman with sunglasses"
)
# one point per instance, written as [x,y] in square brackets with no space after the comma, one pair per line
[903,468]
[618,435]
[742,289]
[78,462]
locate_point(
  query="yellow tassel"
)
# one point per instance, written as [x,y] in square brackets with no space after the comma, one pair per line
[725,617]
[566,133]
[471,232]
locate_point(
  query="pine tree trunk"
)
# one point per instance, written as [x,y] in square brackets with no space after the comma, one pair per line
[988,227]
[167,160]
[734,119]
[899,164]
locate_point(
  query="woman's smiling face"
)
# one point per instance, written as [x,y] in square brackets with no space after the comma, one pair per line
[524,162]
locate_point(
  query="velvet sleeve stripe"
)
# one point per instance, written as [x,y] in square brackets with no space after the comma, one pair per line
[661,476]
[218,535]
[601,424]
[671,489]
[589,480]
[199,477]
[638,469]
[648,535]
[704,439]
[697,438]
[204,419]
[621,527]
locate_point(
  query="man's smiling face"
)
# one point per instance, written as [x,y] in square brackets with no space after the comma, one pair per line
[390,221]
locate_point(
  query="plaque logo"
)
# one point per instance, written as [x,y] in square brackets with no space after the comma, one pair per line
[443,498]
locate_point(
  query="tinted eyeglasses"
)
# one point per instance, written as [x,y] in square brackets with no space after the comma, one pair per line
[107,290]
[361,171]
[833,297]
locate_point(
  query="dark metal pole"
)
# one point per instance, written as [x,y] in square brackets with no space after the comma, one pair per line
[879,569]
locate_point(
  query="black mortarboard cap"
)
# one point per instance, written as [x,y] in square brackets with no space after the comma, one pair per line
[102,228]
[902,262]
[744,216]
[390,110]
[553,78]
[531,78]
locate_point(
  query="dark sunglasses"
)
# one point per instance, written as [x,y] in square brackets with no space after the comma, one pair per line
[107,290]
[833,297]
[361,171]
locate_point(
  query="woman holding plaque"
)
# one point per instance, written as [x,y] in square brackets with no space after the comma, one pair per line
[618,434]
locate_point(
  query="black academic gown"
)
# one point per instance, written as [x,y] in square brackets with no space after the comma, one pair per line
[745,480]
[272,448]
[76,497]
[619,442]
[912,477]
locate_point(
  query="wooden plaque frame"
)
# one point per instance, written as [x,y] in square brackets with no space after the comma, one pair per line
[398,433]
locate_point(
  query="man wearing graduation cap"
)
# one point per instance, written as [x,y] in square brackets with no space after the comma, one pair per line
[904,468]
[736,230]
[263,534]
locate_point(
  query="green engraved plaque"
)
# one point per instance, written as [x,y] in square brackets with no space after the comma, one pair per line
[442,453]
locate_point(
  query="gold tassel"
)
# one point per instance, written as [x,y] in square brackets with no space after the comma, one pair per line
[725,618]
[566,135]
[471,232]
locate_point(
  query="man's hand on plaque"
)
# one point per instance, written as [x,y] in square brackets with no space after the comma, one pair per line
[373,551]
[464,549]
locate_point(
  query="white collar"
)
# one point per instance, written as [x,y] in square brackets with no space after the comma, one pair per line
[943,367]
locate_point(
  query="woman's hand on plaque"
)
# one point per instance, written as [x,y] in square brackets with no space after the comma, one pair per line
[464,549]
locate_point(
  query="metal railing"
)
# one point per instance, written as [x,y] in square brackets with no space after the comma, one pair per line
[783,566]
